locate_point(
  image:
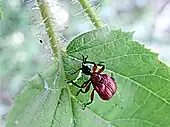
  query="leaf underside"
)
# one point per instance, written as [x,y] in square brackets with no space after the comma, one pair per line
[142,99]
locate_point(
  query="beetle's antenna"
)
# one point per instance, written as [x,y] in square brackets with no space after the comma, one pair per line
[84,59]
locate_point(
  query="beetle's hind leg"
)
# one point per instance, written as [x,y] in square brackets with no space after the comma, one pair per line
[88,103]
[86,90]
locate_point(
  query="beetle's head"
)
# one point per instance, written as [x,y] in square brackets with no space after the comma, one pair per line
[86,70]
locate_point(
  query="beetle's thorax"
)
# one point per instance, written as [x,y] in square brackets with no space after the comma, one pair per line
[86,70]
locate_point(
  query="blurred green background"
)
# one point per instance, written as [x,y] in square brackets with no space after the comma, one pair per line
[22,55]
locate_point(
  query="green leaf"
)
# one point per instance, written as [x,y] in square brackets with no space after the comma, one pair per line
[34,106]
[142,99]
[143,96]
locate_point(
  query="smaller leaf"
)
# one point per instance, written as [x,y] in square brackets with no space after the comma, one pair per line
[35,106]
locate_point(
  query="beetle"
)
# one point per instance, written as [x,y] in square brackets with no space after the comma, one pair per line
[103,84]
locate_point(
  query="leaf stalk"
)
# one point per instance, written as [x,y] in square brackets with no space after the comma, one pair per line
[91,13]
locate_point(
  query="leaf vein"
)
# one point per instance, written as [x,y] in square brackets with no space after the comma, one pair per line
[141,105]
[136,119]
[145,88]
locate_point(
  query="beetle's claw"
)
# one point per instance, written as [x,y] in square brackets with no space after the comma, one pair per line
[77,93]
[84,106]
[113,78]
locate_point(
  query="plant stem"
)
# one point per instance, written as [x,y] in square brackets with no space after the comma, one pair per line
[1,10]
[49,26]
[91,13]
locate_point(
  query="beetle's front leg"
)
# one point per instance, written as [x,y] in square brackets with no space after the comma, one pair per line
[76,71]
[95,66]
[101,69]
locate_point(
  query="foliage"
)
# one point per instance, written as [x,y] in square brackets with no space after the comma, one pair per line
[142,99]
[143,82]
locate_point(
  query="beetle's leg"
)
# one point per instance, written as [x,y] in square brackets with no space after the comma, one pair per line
[76,71]
[101,69]
[94,67]
[92,98]
[82,86]
[75,84]
[86,62]
[86,90]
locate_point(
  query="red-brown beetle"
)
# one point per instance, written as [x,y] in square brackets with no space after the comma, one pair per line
[102,83]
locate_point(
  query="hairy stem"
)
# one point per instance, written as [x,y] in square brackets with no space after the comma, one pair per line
[91,13]
[1,10]
[49,26]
